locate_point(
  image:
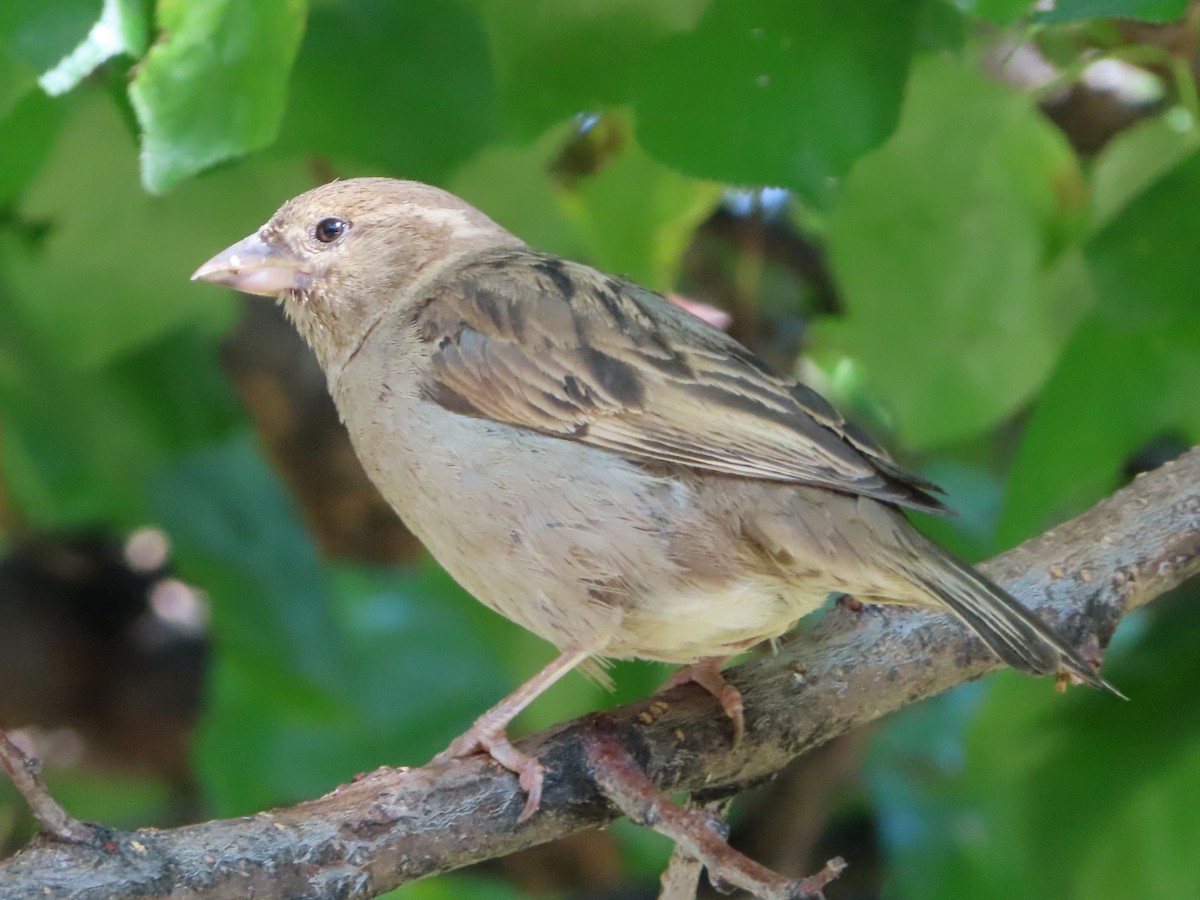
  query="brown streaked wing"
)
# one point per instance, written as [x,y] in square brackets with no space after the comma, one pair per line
[542,343]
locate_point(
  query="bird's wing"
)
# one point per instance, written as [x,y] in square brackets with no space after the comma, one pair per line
[537,342]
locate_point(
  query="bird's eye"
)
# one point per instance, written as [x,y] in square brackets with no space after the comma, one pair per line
[330,229]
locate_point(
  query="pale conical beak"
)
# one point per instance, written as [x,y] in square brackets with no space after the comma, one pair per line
[255,267]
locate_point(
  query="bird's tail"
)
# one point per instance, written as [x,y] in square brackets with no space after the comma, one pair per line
[1012,632]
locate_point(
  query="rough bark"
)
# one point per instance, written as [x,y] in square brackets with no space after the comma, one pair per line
[392,826]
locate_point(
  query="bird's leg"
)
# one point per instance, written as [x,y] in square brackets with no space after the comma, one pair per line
[707,674]
[487,735]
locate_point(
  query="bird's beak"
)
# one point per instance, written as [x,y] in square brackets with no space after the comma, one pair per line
[254,266]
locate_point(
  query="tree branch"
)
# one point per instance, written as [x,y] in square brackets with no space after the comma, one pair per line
[26,774]
[393,826]
[699,835]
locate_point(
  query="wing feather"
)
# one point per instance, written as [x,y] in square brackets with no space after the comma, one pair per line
[541,343]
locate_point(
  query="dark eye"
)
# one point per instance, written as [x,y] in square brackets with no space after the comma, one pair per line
[329,230]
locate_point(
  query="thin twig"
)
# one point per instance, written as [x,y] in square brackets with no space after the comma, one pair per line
[681,878]
[697,833]
[25,772]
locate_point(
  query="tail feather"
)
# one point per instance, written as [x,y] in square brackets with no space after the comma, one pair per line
[1012,632]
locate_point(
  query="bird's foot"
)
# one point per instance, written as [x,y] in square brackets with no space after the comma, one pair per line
[487,734]
[530,773]
[707,674]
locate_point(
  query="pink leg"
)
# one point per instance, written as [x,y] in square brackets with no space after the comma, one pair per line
[487,734]
[707,674]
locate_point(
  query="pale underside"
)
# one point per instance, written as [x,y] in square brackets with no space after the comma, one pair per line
[684,516]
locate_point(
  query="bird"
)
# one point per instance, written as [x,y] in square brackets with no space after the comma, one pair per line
[589,460]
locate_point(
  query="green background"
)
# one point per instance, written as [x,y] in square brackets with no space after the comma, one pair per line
[1017,317]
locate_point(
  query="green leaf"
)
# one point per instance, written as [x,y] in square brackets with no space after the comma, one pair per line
[1145,847]
[120,799]
[454,887]
[951,249]
[555,59]
[1143,263]
[279,657]
[1137,157]
[319,673]
[1116,388]
[41,33]
[135,24]
[421,101]
[942,27]
[1081,10]
[975,494]
[1005,12]
[109,270]
[26,138]
[638,216]
[120,30]
[96,312]
[34,36]
[86,456]
[1129,374]
[213,88]
[1046,789]
[1002,12]
[513,184]
[229,519]
[786,92]
[912,768]
[266,740]
[414,670]
[424,661]
[17,78]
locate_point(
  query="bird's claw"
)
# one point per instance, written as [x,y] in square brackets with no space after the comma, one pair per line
[707,674]
[530,773]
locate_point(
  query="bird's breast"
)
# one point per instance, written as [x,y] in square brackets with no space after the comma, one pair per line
[575,543]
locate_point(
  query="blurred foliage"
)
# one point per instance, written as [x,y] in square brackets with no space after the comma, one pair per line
[1018,319]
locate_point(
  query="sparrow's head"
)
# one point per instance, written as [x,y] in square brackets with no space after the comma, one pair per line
[340,254]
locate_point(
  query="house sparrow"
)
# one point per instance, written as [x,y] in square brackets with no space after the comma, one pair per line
[589,460]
